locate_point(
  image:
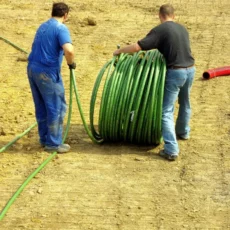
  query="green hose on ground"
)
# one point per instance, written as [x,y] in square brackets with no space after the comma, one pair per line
[17,138]
[12,44]
[44,163]
[130,108]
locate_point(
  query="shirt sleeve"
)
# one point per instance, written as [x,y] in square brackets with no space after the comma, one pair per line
[64,35]
[150,41]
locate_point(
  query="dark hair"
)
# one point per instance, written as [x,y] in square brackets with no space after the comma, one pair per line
[59,9]
[166,10]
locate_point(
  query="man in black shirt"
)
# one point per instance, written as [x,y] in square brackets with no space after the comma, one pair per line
[172,40]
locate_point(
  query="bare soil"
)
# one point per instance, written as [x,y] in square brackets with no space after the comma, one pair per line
[116,186]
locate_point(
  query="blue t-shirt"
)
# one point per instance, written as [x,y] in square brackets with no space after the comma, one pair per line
[47,48]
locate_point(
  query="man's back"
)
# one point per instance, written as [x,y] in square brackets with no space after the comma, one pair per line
[47,46]
[172,40]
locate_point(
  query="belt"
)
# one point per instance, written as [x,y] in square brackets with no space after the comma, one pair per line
[180,67]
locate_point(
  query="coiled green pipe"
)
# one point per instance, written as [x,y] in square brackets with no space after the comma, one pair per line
[132,97]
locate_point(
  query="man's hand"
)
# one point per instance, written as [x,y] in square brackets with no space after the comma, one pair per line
[128,49]
[72,66]
[116,52]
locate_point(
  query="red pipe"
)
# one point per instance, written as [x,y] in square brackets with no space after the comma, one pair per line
[211,73]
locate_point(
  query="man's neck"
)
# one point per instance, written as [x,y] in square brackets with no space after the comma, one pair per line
[167,20]
[61,20]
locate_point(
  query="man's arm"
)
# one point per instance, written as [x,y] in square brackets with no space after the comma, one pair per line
[128,49]
[69,53]
[149,42]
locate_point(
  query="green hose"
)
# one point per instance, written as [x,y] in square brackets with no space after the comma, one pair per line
[17,138]
[20,189]
[12,44]
[130,109]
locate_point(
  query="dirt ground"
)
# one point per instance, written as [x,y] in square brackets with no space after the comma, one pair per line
[111,186]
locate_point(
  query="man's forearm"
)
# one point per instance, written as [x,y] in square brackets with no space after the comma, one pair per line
[69,56]
[128,49]
[69,53]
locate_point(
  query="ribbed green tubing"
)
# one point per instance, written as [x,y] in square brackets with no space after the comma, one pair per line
[130,108]
[132,97]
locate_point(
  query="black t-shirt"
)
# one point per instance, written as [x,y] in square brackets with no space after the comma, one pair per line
[172,40]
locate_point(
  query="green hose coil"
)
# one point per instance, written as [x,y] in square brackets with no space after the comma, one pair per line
[132,97]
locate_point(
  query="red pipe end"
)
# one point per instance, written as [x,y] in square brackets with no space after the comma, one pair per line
[206,75]
[211,73]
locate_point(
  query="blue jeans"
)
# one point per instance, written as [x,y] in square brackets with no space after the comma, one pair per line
[50,105]
[178,84]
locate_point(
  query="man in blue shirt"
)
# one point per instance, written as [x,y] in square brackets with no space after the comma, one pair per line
[51,42]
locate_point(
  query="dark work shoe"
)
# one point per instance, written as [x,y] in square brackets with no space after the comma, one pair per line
[63,148]
[170,157]
[180,137]
[42,143]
